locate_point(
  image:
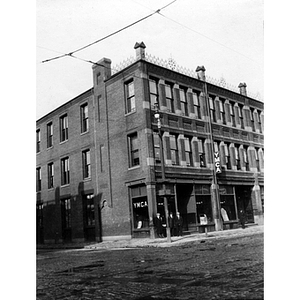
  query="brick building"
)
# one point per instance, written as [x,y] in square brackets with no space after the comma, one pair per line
[99,165]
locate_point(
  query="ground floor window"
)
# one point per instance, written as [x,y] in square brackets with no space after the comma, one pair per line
[203,203]
[139,207]
[89,210]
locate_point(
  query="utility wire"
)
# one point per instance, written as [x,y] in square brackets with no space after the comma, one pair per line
[109,35]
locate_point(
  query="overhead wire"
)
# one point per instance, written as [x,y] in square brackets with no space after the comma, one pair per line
[109,35]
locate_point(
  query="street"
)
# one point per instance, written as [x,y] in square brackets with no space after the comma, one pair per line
[227,268]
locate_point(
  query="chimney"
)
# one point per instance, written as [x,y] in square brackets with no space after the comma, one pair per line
[140,50]
[242,87]
[201,73]
[101,70]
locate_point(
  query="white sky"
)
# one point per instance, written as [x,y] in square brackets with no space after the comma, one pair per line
[224,36]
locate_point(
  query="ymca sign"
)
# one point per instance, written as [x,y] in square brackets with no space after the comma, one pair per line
[217,163]
[140,204]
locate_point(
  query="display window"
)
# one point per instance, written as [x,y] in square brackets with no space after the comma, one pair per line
[140,207]
[203,203]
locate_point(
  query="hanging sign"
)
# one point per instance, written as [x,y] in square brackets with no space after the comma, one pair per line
[217,163]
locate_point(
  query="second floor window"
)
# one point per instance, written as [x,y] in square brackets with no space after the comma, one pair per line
[130,98]
[50,176]
[252,119]
[237,158]
[49,135]
[156,147]
[227,157]
[201,154]
[63,123]
[134,158]
[246,161]
[38,179]
[84,115]
[65,171]
[86,162]
[188,152]
[174,150]
[38,141]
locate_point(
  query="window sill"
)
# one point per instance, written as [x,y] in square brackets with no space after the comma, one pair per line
[85,132]
[135,167]
[62,142]
[65,185]
[49,148]
[87,179]
[130,113]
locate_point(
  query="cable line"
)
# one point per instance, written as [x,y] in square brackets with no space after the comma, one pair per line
[109,35]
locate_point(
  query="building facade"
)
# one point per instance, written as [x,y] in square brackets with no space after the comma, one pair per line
[99,156]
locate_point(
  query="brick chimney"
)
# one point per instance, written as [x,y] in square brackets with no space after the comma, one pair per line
[242,86]
[140,50]
[201,73]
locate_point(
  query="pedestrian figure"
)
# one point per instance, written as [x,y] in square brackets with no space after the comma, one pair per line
[242,218]
[178,224]
[172,224]
[158,225]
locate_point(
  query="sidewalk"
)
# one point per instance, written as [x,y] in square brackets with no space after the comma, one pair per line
[175,241]
[159,242]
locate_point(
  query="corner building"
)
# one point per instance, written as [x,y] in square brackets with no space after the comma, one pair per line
[99,166]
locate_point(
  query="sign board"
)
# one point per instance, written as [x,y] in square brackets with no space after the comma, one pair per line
[217,163]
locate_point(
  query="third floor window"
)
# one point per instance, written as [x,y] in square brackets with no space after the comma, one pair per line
[49,135]
[63,124]
[84,116]
[130,97]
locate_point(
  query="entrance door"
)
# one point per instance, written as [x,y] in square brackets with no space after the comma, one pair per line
[66,219]
[39,224]
[186,205]
[243,198]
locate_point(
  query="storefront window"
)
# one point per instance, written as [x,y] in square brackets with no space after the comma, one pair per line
[140,207]
[203,202]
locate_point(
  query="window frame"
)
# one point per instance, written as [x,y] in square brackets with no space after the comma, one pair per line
[196,105]
[134,151]
[50,170]
[38,140]
[65,170]
[86,164]
[174,150]
[240,113]
[183,101]
[188,152]
[38,179]
[153,93]
[63,127]
[212,109]
[170,98]
[222,110]
[232,115]
[84,117]
[49,134]
[130,104]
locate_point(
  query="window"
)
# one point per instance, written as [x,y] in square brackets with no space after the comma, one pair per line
[203,202]
[156,141]
[63,123]
[38,179]
[153,92]
[90,210]
[237,158]
[196,105]
[134,150]
[246,160]
[188,152]
[169,98]
[130,98]
[259,121]
[222,112]
[256,159]
[50,176]
[241,116]
[231,111]
[101,158]
[201,154]
[227,157]
[65,171]
[49,135]
[86,163]
[174,150]
[66,213]
[139,207]
[252,119]
[84,115]
[183,102]
[38,141]
[212,109]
